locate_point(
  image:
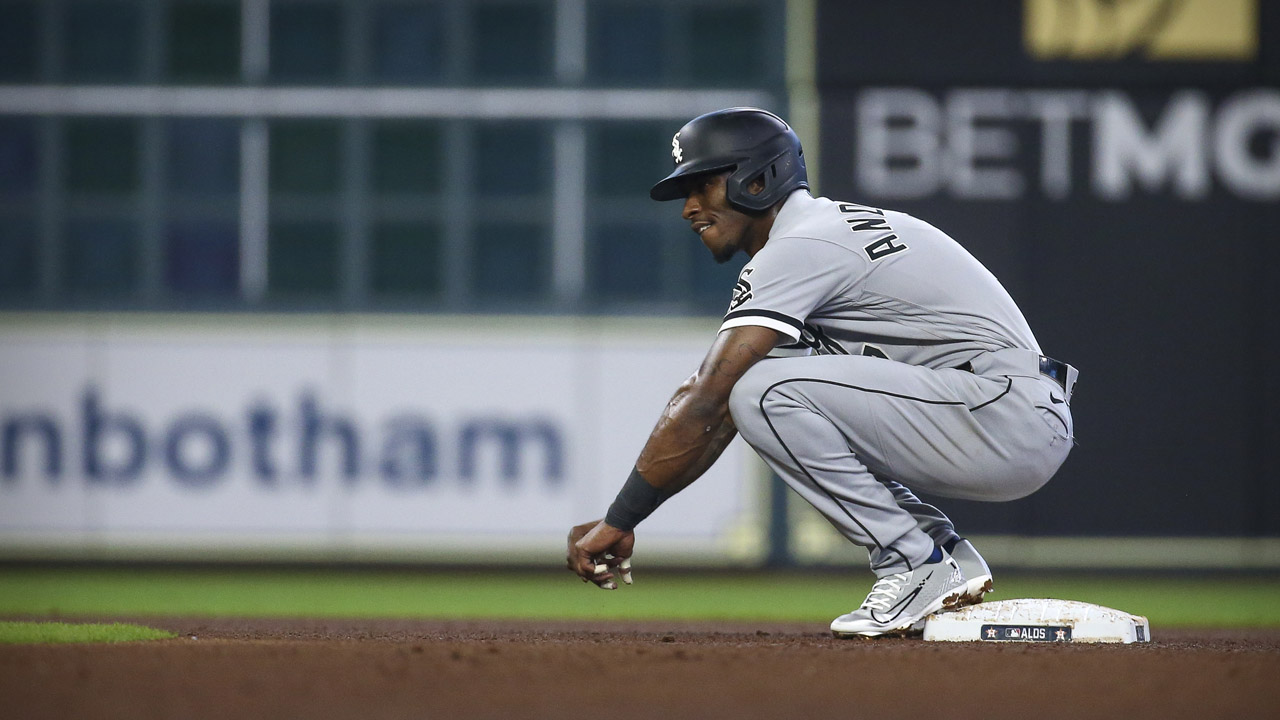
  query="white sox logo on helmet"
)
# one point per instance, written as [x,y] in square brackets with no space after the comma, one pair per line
[676,152]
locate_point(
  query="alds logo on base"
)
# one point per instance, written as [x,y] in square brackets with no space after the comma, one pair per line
[1026,633]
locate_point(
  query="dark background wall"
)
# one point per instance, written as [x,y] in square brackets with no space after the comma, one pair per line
[1157,283]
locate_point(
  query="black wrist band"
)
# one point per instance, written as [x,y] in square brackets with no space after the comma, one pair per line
[635,501]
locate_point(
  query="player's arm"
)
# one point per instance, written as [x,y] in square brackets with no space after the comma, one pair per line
[695,426]
[693,430]
[719,440]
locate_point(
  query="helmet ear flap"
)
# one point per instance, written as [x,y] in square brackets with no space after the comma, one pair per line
[738,184]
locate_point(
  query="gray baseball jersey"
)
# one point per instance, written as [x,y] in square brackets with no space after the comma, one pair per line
[847,279]
[908,366]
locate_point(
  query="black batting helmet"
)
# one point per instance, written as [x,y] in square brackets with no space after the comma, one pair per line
[752,142]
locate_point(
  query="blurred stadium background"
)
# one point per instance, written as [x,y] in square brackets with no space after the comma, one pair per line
[380,282]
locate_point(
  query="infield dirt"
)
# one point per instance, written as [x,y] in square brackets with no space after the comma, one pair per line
[223,668]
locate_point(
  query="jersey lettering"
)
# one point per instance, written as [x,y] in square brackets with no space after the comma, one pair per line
[741,290]
[883,248]
[814,337]
[856,224]
[873,351]
[855,208]
[871,219]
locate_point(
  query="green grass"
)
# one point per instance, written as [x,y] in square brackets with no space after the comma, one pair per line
[27,633]
[814,597]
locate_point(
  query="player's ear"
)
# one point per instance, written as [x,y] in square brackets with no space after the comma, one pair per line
[756,186]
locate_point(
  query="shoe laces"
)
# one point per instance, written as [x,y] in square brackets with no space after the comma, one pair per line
[885,592]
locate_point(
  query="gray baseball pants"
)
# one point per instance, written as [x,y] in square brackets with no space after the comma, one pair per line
[854,435]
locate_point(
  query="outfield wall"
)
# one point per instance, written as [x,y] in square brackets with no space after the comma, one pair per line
[352,437]
[397,438]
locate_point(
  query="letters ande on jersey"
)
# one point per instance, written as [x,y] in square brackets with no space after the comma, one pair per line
[840,278]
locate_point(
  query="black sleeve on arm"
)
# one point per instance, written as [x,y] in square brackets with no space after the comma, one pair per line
[636,501]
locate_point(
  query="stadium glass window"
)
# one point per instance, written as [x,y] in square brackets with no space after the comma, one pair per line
[512,42]
[510,261]
[204,42]
[103,42]
[302,259]
[203,156]
[625,262]
[18,168]
[305,156]
[306,42]
[512,158]
[101,257]
[729,45]
[19,51]
[408,156]
[408,43]
[406,261]
[628,158]
[625,43]
[202,257]
[18,257]
[101,155]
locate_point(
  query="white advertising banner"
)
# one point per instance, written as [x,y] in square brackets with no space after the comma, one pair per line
[346,437]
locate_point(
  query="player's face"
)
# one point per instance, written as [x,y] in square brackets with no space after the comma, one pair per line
[723,229]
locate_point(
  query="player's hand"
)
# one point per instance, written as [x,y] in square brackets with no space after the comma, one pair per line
[598,551]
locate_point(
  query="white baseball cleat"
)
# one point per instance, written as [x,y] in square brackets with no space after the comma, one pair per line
[898,601]
[977,579]
[976,573]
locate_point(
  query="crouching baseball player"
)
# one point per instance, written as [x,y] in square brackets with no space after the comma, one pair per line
[865,355]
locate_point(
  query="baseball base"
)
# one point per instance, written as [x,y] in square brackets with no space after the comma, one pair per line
[1037,620]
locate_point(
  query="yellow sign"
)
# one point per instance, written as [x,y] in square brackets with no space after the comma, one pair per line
[1147,29]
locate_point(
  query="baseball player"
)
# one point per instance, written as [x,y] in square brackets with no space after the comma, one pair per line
[865,355]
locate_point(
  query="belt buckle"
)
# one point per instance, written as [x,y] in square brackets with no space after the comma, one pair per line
[1054,370]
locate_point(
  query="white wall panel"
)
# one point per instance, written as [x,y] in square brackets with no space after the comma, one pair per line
[381,437]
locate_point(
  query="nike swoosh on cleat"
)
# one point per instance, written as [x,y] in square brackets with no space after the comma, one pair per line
[904,602]
[902,605]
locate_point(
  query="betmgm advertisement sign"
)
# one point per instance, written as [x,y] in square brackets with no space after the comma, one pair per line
[1094,155]
[252,437]
[1068,99]
[1157,30]
[970,143]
